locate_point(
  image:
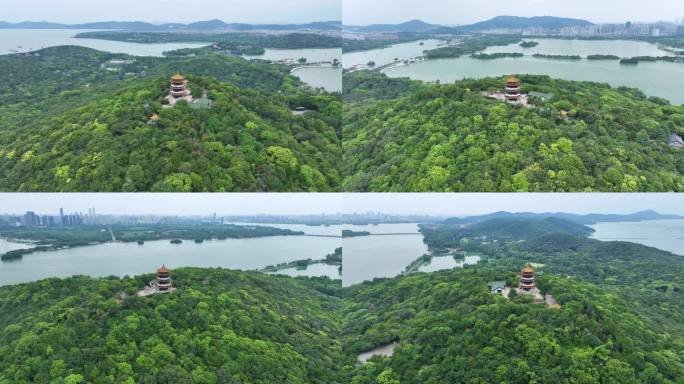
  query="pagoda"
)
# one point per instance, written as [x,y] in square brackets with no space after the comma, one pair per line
[527,279]
[164,280]
[178,90]
[512,92]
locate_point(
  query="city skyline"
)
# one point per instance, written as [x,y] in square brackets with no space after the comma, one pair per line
[176,11]
[462,12]
[172,204]
[293,204]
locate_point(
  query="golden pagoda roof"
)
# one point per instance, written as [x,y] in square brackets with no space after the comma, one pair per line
[163,269]
[512,79]
[155,117]
[177,77]
[528,269]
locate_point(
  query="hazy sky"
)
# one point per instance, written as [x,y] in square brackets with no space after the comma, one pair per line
[247,11]
[466,204]
[458,12]
[173,204]
[456,204]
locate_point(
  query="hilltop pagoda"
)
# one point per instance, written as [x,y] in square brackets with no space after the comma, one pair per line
[512,92]
[164,280]
[178,90]
[527,279]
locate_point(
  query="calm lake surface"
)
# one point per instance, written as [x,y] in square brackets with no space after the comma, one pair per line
[313,55]
[319,269]
[328,78]
[122,259]
[667,235]
[26,40]
[660,79]
[440,263]
[330,230]
[368,257]
[404,51]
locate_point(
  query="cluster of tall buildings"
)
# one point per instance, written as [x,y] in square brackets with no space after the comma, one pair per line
[627,29]
[32,219]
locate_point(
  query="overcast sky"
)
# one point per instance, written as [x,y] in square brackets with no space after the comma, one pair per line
[455,204]
[459,12]
[173,204]
[245,11]
[465,204]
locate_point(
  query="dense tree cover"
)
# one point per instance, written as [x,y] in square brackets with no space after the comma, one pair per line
[644,275]
[621,318]
[368,85]
[218,327]
[441,236]
[248,141]
[451,329]
[470,45]
[587,137]
[281,41]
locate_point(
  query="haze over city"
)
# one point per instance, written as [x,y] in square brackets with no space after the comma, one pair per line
[460,12]
[180,11]
[173,204]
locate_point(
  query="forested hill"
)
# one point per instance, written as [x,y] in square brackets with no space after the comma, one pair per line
[620,320]
[399,135]
[449,328]
[218,327]
[68,124]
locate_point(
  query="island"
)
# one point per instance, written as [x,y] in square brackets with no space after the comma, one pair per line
[350,233]
[528,44]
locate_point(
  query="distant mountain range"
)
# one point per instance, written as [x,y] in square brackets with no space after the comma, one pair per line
[409,26]
[499,22]
[208,25]
[575,218]
[514,22]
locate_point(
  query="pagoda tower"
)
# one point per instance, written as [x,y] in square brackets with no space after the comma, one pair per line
[512,89]
[527,278]
[179,86]
[163,279]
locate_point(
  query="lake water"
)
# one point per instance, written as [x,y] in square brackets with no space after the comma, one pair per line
[662,79]
[384,351]
[622,48]
[368,257]
[311,55]
[319,269]
[26,40]
[440,263]
[122,259]
[667,235]
[328,78]
[6,246]
[330,230]
[404,51]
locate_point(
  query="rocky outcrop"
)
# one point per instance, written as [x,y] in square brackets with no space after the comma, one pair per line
[676,141]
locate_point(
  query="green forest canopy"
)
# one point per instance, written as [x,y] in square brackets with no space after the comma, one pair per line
[68,124]
[621,320]
[403,135]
